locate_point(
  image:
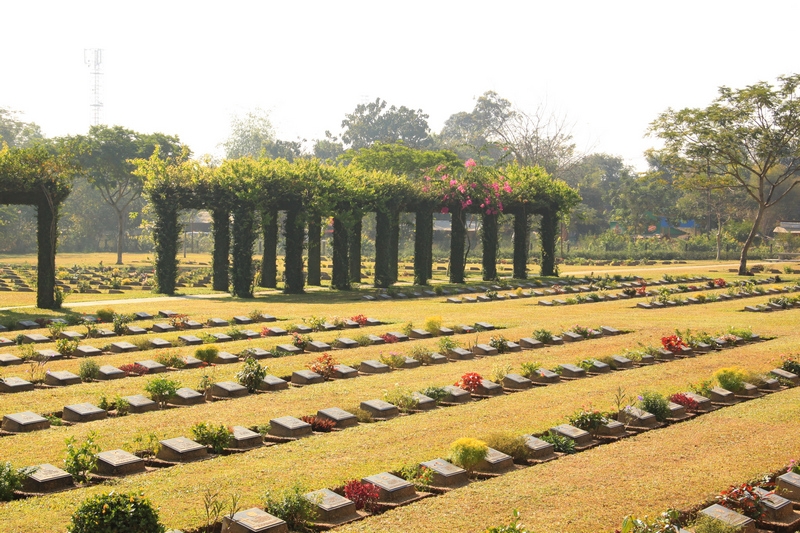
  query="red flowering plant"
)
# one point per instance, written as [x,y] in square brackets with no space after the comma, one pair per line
[388,338]
[469,381]
[364,495]
[361,320]
[794,466]
[641,291]
[720,283]
[323,365]
[743,499]
[673,343]
[689,403]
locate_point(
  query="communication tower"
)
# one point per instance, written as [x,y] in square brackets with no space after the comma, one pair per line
[93,58]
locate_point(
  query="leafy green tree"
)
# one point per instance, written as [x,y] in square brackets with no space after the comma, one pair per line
[372,122]
[106,156]
[329,148]
[750,136]
[16,132]
[253,135]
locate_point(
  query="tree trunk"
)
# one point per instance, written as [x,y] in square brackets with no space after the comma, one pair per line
[549,231]
[489,240]
[521,232]
[269,258]
[383,272]
[422,247]
[339,277]
[458,234]
[293,260]
[719,237]
[222,248]
[354,250]
[749,241]
[314,254]
[394,244]
[120,234]
[46,235]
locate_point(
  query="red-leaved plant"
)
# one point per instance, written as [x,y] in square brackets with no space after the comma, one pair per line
[687,402]
[720,283]
[134,369]
[361,320]
[673,343]
[323,365]
[469,381]
[364,495]
[743,499]
[641,291]
[388,338]
[322,425]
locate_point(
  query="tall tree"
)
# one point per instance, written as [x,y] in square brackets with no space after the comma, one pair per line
[253,135]
[16,132]
[750,135]
[372,122]
[106,155]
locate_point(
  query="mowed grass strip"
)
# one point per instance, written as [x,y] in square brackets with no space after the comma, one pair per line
[329,460]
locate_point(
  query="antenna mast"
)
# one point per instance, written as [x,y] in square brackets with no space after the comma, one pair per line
[93,58]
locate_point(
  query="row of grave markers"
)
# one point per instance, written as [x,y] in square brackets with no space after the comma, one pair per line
[722,298]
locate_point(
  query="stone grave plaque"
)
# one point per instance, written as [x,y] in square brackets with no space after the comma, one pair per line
[730,518]
[28,324]
[253,521]
[163,327]
[141,315]
[123,347]
[6,359]
[722,396]
[572,371]
[446,474]
[484,349]
[446,331]
[703,403]
[513,346]
[345,343]
[273,383]
[424,403]
[6,342]
[488,388]
[770,384]
[410,362]
[290,349]
[344,372]
[391,489]
[228,389]
[776,507]
[221,337]
[456,395]
[368,297]
[192,324]
[47,478]
[24,422]
[544,376]
[581,437]
[351,324]
[61,378]
[72,335]
[556,341]
[152,367]
[244,438]
[340,417]
[275,332]
[187,396]
[420,334]
[371,366]
[529,343]
[401,337]
[303,329]
[167,314]
[664,355]
[104,333]
[318,346]
[118,463]
[191,362]
[140,404]
[306,377]
[83,412]
[495,462]
[226,358]
[181,449]
[559,301]
[780,373]
[217,323]
[327,326]
[136,330]
[638,418]
[266,318]
[647,360]
[374,339]
[49,355]
[190,340]
[379,409]
[612,428]
[677,411]
[644,305]
[459,354]
[516,382]
[289,427]
[570,336]
[788,486]
[243,320]
[373,322]
[256,353]
[621,362]
[160,343]
[331,507]
[35,338]
[436,359]
[466,300]
[599,367]
[15,384]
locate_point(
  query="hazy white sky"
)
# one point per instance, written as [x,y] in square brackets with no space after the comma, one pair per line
[185,68]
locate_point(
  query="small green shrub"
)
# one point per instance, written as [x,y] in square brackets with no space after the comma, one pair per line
[292,506]
[499,343]
[11,480]
[420,476]
[393,360]
[731,378]
[467,452]
[402,398]
[435,393]
[656,404]
[560,444]
[433,324]
[421,354]
[207,354]
[530,369]
[251,375]
[707,524]
[89,370]
[447,343]
[543,336]
[667,522]
[119,321]
[162,389]
[499,372]
[588,419]
[105,315]
[115,512]
[170,359]
[216,437]
[66,346]
[509,444]
[81,457]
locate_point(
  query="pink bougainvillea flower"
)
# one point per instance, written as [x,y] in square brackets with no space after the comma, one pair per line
[496,187]
[425,188]
[474,185]
[453,182]
[507,187]
[469,163]
[469,201]
[461,189]
[439,168]
[427,178]
[445,210]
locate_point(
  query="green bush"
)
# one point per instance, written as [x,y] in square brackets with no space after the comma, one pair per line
[66,346]
[114,513]
[170,360]
[292,507]
[393,360]
[467,452]
[105,314]
[89,370]
[560,444]
[731,378]
[162,389]
[707,524]
[207,354]
[543,335]
[509,444]
[656,404]
[435,393]
[530,369]
[217,437]
[251,375]
[81,457]
[11,479]
[402,398]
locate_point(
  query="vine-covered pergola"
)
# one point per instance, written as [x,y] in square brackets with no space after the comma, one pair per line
[251,192]
[40,177]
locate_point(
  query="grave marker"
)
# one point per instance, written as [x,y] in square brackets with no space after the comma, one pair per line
[181,449]
[331,507]
[118,463]
[380,410]
[47,478]
[24,422]
[289,427]
[83,412]
[391,489]
[446,474]
[341,418]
